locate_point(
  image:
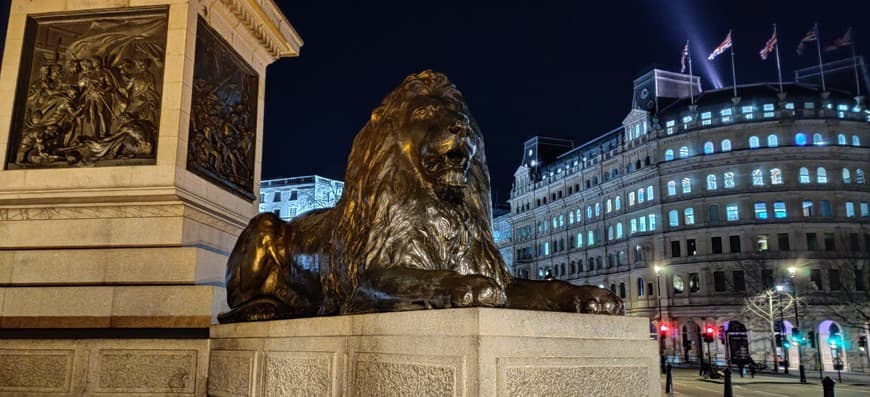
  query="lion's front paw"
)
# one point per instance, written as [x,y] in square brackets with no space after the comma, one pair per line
[473,290]
[589,299]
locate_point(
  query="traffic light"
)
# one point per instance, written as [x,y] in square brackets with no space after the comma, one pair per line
[778,340]
[663,329]
[709,333]
[835,341]
[811,338]
[862,343]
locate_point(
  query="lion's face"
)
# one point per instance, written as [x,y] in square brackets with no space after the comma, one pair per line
[440,136]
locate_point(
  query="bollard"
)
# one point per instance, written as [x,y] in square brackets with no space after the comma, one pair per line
[669,381]
[728,392]
[828,387]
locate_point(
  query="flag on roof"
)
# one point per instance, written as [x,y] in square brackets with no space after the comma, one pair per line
[842,41]
[768,47]
[683,59]
[809,38]
[726,44]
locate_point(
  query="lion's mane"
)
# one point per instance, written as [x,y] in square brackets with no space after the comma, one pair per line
[385,197]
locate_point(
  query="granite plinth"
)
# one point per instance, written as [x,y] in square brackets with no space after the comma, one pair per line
[452,352]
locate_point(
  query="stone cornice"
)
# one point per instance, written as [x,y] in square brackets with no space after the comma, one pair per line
[268,25]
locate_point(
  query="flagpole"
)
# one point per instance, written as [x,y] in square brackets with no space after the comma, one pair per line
[854,63]
[778,67]
[819,50]
[733,72]
[692,78]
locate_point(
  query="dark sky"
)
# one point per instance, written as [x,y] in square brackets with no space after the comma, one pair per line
[553,68]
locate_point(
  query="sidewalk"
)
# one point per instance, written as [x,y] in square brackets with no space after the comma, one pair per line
[854,379]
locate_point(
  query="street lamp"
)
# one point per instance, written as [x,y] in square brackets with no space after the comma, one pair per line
[782,338]
[662,327]
[797,322]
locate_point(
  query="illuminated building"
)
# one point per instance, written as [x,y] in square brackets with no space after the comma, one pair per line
[289,197]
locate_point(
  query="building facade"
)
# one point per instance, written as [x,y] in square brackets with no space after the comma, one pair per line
[289,197]
[694,205]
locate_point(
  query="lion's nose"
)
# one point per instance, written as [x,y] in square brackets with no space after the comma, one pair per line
[459,127]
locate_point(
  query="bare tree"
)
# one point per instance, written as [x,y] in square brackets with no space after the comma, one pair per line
[765,309]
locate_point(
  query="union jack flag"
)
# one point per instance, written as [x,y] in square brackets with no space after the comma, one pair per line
[683,59]
[811,36]
[726,44]
[768,47]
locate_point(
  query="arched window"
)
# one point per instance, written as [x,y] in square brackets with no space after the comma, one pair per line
[610,233]
[672,188]
[772,140]
[800,139]
[590,238]
[579,218]
[669,155]
[613,288]
[726,145]
[728,180]
[649,192]
[856,141]
[684,152]
[628,168]
[804,175]
[637,165]
[640,286]
[589,212]
[617,203]
[597,209]
[817,139]
[821,175]
[841,139]
[673,218]
[640,195]
[708,148]
[689,215]
[608,206]
[687,185]
[757,177]
[847,176]
[646,160]
[631,198]
[753,142]
[711,182]
[859,176]
[776,176]
[622,290]
[619,230]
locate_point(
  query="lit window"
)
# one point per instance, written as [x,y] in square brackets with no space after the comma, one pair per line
[731,213]
[729,180]
[649,192]
[630,199]
[859,176]
[708,148]
[747,109]
[561,220]
[753,142]
[555,223]
[809,105]
[672,188]
[597,209]
[579,241]
[652,222]
[725,112]
[726,145]
[850,209]
[670,123]
[669,155]
[847,176]
[608,206]
[779,211]
[807,208]
[706,115]
[800,139]
[619,230]
[684,152]
[640,195]
[643,224]
[789,105]
[767,107]
[865,209]
[772,141]
[687,119]
[804,175]
[673,218]
[632,226]
[760,210]
[821,175]
[579,218]
[711,182]
[590,238]
[841,139]
[757,177]
[687,185]
[589,212]
[689,215]
[610,233]
[547,248]
[571,218]
[856,141]
[776,176]
[817,139]
[617,203]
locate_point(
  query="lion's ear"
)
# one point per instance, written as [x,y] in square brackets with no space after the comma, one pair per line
[378,114]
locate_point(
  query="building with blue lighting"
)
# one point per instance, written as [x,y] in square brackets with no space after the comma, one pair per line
[696,203]
[289,197]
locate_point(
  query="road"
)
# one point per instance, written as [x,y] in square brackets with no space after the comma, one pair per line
[688,383]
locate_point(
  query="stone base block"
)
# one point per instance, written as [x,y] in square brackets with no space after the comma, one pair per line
[76,367]
[454,352]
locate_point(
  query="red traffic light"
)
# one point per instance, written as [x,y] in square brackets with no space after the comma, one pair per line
[663,327]
[709,330]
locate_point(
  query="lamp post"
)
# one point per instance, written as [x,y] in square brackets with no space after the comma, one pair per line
[797,323]
[662,328]
[780,289]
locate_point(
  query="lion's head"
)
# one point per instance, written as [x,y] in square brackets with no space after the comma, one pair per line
[419,157]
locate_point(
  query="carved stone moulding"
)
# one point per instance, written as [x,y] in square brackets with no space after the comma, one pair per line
[90,88]
[223,121]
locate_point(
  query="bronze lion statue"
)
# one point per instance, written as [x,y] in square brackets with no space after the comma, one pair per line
[412,229]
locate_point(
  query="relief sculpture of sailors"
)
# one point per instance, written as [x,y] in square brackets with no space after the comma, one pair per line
[412,229]
[94,91]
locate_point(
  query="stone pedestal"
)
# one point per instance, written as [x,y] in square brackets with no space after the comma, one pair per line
[114,230]
[454,352]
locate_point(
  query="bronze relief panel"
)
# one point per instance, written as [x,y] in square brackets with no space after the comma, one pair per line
[223,115]
[90,88]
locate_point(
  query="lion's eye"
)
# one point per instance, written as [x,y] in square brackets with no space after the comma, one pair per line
[424,112]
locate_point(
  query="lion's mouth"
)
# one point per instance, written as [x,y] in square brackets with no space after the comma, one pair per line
[456,158]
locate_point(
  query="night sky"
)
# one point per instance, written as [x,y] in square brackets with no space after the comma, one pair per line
[561,69]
